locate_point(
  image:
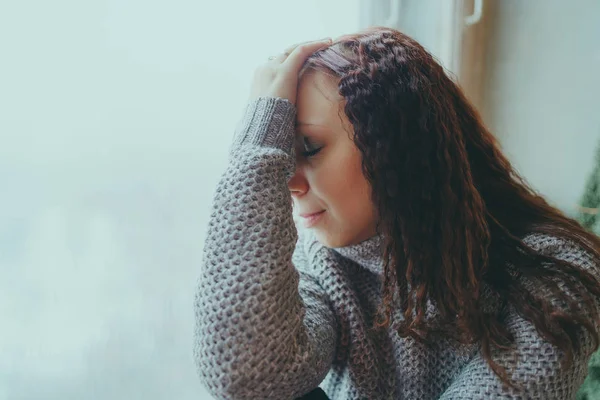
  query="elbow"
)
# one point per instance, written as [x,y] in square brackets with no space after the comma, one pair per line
[216,374]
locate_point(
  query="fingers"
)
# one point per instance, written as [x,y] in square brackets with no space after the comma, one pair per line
[290,49]
[280,58]
[298,53]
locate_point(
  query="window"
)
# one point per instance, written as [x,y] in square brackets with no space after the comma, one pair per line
[115,124]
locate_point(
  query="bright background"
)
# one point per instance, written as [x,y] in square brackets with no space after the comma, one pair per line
[115,119]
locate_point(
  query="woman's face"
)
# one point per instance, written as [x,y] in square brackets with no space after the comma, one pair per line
[328,178]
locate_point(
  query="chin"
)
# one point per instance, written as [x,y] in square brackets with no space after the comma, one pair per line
[331,241]
[341,240]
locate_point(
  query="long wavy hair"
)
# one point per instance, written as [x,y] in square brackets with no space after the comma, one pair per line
[452,210]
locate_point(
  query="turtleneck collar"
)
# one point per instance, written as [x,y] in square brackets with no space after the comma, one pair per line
[368,254]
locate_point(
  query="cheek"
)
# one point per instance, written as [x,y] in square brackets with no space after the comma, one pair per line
[359,194]
[347,190]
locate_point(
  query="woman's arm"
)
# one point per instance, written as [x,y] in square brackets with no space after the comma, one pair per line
[264,327]
[538,369]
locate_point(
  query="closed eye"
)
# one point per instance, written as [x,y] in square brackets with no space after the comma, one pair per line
[309,149]
[311,152]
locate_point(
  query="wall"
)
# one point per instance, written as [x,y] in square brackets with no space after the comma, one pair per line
[115,122]
[531,68]
[541,91]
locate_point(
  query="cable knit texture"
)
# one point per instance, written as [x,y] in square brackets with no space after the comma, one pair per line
[278,314]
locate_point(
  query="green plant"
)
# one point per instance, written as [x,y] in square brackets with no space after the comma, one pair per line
[589,218]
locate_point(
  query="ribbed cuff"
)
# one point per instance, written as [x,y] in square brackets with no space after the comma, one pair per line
[267,121]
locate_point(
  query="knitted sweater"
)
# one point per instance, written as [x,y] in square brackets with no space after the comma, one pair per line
[278,314]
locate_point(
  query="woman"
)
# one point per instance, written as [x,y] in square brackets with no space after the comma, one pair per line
[424,266]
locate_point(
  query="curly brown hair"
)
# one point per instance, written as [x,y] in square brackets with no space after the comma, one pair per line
[452,210]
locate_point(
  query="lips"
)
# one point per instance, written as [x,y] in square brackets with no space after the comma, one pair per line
[311,219]
[308,215]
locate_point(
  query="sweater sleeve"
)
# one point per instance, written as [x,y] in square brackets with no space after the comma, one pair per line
[537,367]
[264,325]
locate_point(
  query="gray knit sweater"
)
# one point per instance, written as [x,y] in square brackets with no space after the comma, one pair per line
[278,314]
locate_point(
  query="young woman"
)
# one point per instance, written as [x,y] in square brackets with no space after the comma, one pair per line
[424,267]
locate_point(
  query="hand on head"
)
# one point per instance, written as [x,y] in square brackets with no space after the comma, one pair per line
[278,77]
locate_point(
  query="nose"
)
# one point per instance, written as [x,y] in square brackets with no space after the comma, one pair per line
[298,185]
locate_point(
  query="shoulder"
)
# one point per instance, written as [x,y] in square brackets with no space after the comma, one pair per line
[563,249]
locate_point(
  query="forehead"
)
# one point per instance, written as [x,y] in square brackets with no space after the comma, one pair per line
[317,100]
